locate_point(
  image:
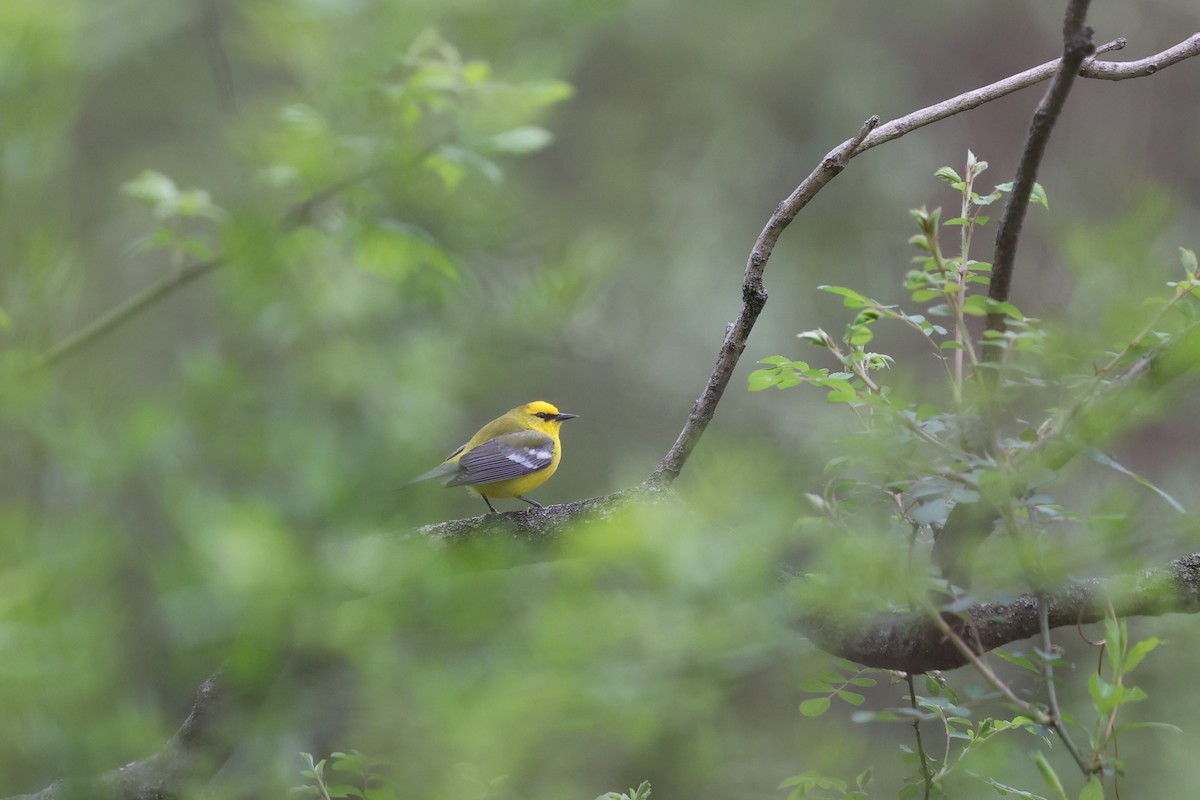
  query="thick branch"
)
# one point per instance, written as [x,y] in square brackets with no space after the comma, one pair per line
[539,525]
[193,754]
[911,642]
[1077,45]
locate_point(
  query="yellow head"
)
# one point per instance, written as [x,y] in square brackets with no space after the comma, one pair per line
[539,416]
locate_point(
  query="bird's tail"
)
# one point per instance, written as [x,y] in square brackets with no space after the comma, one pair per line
[443,470]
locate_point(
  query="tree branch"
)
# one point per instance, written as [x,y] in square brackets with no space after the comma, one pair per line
[540,525]
[192,754]
[911,642]
[1077,45]
[754,297]
[297,215]
[1120,70]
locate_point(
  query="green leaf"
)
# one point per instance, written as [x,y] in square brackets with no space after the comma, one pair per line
[815,687]
[815,706]
[1038,195]
[1139,651]
[1017,659]
[1114,638]
[1166,726]
[859,335]
[1111,463]
[979,305]
[853,698]
[1049,775]
[782,377]
[842,394]
[1093,790]
[852,298]
[542,93]
[947,174]
[1188,257]
[522,140]
[1107,696]
[152,188]
[817,336]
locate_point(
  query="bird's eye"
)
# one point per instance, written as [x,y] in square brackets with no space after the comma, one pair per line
[542,414]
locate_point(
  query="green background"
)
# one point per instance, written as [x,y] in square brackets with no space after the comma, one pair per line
[216,479]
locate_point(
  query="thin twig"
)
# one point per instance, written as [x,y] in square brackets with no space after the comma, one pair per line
[218,59]
[912,698]
[128,309]
[297,215]
[1077,45]
[983,669]
[1121,70]
[1047,660]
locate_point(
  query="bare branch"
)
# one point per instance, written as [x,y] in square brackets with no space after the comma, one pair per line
[911,642]
[1077,45]
[1120,70]
[754,297]
[128,309]
[297,215]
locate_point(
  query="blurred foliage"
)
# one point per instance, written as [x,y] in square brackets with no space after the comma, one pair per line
[421,213]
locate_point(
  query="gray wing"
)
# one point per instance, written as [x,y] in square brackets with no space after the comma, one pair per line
[509,456]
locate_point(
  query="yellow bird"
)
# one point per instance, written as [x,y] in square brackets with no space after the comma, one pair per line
[509,457]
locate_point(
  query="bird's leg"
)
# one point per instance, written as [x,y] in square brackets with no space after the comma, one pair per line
[491,507]
[533,503]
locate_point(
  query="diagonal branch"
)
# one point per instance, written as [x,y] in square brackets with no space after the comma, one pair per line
[296,216]
[193,754]
[754,297]
[1077,45]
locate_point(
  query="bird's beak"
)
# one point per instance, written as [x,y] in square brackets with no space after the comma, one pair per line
[562,417]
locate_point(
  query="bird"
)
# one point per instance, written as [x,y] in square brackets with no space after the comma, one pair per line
[509,457]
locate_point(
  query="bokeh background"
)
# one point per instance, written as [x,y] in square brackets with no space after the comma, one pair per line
[215,480]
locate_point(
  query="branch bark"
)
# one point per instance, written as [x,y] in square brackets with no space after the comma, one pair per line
[911,642]
[754,297]
[1077,45]
[192,755]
